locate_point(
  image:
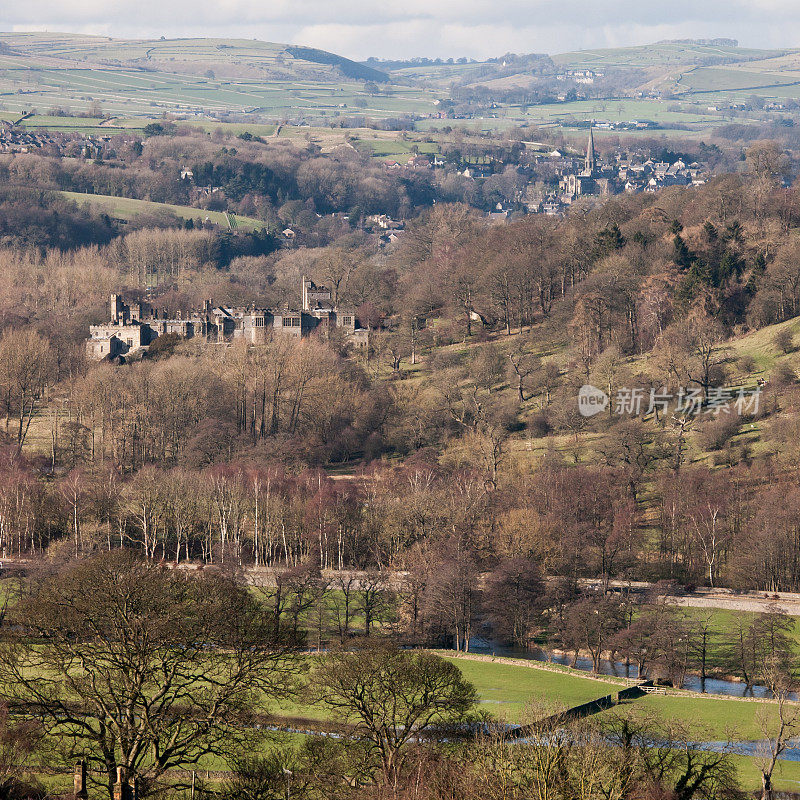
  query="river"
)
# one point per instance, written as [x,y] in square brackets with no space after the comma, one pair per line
[691,683]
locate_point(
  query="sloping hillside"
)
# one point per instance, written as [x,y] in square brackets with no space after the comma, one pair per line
[58,71]
[267,59]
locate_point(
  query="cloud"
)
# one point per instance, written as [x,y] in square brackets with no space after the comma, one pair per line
[402,28]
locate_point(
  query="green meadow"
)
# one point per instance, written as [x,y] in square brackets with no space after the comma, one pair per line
[127,208]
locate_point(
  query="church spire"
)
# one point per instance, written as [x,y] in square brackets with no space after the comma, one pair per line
[591,160]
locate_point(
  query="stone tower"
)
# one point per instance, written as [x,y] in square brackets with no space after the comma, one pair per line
[590,164]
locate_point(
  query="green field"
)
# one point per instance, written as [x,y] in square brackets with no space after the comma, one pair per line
[617,111]
[128,208]
[786,777]
[505,689]
[712,79]
[723,626]
[708,718]
[518,693]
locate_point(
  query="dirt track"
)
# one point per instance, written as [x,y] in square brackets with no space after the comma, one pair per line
[736,602]
[703,597]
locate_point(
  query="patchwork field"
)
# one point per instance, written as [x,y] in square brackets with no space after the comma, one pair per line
[660,54]
[194,76]
[256,83]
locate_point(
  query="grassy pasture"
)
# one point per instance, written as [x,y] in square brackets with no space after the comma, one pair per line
[128,208]
[204,77]
[704,79]
[511,692]
[786,777]
[709,718]
[126,92]
[186,75]
[724,624]
[506,689]
[616,111]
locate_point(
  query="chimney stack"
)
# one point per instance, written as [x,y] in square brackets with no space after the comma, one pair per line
[79,785]
[122,788]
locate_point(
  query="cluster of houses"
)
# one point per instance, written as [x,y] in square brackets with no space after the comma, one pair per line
[387,230]
[134,326]
[20,140]
[625,175]
[70,144]
[585,76]
[414,162]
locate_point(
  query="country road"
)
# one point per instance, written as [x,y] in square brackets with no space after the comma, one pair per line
[702,597]
[719,598]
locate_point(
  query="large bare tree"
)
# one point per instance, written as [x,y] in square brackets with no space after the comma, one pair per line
[139,667]
[391,698]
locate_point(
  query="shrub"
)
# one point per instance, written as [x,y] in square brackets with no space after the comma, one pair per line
[784,340]
[718,432]
[539,425]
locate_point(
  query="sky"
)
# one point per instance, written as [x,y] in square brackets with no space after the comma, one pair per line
[407,28]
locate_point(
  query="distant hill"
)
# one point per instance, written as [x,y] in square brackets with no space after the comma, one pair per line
[702,42]
[349,69]
[248,58]
[655,65]
[249,81]
[666,54]
[58,72]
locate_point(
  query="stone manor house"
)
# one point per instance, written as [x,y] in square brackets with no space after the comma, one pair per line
[134,326]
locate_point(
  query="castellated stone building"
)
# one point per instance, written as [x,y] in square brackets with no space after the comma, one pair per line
[134,326]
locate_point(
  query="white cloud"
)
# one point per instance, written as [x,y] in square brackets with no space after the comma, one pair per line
[477,28]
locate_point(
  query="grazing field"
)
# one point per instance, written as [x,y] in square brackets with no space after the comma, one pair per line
[660,111]
[724,625]
[129,92]
[506,689]
[708,718]
[786,777]
[127,208]
[712,79]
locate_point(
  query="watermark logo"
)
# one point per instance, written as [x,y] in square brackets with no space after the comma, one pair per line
[684,401]
[592,400]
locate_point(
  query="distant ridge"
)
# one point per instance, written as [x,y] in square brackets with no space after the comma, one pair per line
[348,68]
[703,42]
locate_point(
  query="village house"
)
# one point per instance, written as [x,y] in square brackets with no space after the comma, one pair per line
[384,222]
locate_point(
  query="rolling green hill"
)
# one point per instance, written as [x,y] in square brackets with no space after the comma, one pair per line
[190,76]
[662,54]
[254,82]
